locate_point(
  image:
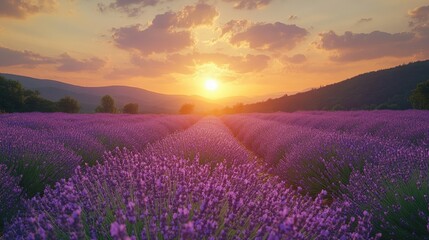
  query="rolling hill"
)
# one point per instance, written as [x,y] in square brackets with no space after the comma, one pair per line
[89,97]
[383,89]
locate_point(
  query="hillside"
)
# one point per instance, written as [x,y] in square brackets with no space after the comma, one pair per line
[89,97]
[383,89]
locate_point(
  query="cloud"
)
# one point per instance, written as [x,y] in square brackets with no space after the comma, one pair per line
[240,64]
[169,32]
[65,63]
[131,7]
[196,15]
[420,21]
[295,59]
[235,26]
[69,64]
[190,16]
[292,18]
[249,63]
[22,8]
[152,39]
[364,20]
[265,36]
[186,63]
[363,46]
[422,30]
[174,63]
[10,57]
[419,15]
[249,4]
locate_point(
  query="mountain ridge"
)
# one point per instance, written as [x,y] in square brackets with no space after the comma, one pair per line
[382,89]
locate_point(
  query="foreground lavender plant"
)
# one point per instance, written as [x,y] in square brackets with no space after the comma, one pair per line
[396,190]
[39,161]
[147,197]
[307,158]
[10,195]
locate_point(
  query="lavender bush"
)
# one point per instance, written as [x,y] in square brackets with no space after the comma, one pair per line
[307,175]
[310,159]
[147,197]
[10,195]
[396,190]
[209,140]
[407,127]
[38,160]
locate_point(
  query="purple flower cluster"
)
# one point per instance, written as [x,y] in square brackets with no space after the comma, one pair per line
[377,161]
[307,158]
[41,149]
[44,148]
[40,161]
[408,127]
[396,190]
[10,194]
[143,196]
[209,140]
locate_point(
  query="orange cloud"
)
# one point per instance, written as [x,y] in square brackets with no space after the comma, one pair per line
[131,7]
[239,64]
[169,32]
[420,21]
[235,26]
[186,64]
[420,14]
[65,63]
[152,39]
[69,64]
[249,4]
[264,36]
[364,46]
[360,46]
[10,57]
[364,20]
[295,59]
[23,8]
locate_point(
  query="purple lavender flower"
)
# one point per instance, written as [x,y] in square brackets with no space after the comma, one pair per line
[10,194]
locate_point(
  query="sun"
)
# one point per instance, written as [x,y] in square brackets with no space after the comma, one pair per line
[211,84]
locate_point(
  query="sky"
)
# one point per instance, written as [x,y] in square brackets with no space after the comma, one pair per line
[250,47]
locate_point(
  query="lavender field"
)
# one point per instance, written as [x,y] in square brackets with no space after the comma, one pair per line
[304,175]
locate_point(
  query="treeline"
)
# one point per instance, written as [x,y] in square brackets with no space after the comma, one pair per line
[15,98]
[107,105]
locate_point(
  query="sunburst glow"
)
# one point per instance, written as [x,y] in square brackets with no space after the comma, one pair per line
[211,85]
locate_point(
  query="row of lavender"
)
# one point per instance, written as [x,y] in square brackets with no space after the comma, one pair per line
[196,184]
[408,127]
[37,150]
[384,171]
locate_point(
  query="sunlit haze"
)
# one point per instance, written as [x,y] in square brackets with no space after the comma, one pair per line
[211,85]
[247,47]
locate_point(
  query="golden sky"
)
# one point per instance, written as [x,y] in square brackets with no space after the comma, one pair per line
[251,47]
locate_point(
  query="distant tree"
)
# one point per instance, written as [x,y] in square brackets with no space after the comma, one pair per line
[338,107]
[186,108]
[420,96]
[238,108]
[12,95]
[107,105]
[131,108]
[227,110]
[35,103]
[68,105]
